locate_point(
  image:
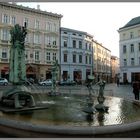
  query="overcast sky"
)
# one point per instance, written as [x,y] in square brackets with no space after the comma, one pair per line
[102,20]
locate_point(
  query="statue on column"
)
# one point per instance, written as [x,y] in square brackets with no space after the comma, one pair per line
[17,54]
[18,70]
[54,77]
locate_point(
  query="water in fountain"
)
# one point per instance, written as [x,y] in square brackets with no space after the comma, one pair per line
[34,89]
[20,95]
[61,110]
[67,110]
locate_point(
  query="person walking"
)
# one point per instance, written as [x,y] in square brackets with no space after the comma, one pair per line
[136,89]
[118,81]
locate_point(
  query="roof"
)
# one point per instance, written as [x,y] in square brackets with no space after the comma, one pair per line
[132,22]
[31,9]
[77,31]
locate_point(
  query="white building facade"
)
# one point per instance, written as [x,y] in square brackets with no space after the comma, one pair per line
[76,55]
[129,46]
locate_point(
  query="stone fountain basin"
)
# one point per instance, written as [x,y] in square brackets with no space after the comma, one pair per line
[26,129]
[17,129]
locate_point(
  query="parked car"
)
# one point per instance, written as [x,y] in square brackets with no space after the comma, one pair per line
[31,80]
[47,82]
[3,81]
[68,83]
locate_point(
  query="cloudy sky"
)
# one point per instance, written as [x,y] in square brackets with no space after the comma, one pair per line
[102,20]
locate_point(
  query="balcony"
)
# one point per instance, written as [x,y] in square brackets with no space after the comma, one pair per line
[4,60]
[5,42]
[37,61]
[49,62]
[55,47]
[48,46]
[52,47]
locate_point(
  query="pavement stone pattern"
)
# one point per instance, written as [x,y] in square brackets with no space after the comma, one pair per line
[122,91]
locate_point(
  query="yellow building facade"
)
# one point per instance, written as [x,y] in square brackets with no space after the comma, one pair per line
[42,42]
[101,61]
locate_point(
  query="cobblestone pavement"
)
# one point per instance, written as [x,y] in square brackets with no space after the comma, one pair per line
[123,91]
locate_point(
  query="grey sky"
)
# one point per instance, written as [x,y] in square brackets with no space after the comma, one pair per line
[102,20]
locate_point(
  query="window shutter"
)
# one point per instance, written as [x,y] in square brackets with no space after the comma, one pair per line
[9,19]
[1,34]
[9,37]
[2,18]
[34,37]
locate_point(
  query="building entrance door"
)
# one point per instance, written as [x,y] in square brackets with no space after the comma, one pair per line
[135,76]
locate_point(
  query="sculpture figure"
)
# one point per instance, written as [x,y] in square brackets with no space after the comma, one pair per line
[17,54]
[54,76]
[102,86]
[89,109]
[101,97]
[18,70]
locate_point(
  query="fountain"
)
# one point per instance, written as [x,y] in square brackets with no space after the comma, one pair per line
[18,98]
[101,98]
[89,109]
[65,118]
[54,78]
[65,115]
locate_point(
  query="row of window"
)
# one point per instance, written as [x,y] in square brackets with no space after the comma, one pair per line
[77,58]
[49,40]
[49,55]
[103,67]
[50,26]
[52,56]
[75,34]
[102,51]
[131,48]
[131,35]
[132,61]
[77,44]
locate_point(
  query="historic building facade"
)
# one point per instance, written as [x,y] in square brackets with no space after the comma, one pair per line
[46,41]
[42,43]
[115,68]
[76,55]
[129,45]
[101,61]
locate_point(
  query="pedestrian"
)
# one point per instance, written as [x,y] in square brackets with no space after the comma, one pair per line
[136,89]
[118,81]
